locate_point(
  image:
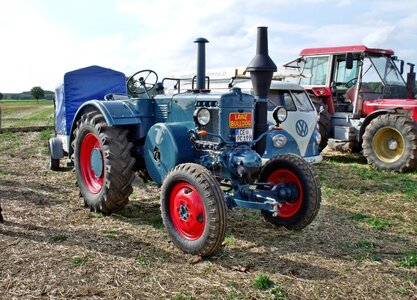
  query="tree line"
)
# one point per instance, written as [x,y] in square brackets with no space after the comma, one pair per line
[35,93]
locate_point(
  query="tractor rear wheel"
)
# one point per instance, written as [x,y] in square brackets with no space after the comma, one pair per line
[103,163]
[288,168]
[193,209]
[390,143]
[325,120]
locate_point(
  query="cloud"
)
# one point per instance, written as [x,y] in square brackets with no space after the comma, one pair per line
[42,40]
[378,36]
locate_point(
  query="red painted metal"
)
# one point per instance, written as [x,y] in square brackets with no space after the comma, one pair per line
[344,49]
[187,211]
[325,93]
[93,183]
[288,210]
[369,106]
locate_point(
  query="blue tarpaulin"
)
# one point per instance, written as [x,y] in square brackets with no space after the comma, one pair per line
[81,85]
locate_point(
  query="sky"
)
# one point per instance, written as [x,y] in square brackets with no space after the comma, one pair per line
[41,40]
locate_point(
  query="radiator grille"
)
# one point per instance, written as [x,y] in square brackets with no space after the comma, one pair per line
[161,114]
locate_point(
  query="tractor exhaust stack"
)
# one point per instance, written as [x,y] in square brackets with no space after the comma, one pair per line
[201,63]
[261,69]
[411,83]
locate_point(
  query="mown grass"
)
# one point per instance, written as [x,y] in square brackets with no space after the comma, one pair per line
[23,113]
[362,244]
[25,102]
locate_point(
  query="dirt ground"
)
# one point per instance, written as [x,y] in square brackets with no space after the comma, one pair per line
[51,247]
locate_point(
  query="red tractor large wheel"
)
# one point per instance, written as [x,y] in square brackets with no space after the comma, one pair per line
[193,209]
[103,164]
[390,143]
[290,169]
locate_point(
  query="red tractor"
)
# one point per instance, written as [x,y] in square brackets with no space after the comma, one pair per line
[364,102]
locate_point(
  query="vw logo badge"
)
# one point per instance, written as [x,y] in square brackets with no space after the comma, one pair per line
[301,128]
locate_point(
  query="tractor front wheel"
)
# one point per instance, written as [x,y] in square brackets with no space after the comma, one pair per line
[193,209]
[103,163]
[390,143]
[291,169]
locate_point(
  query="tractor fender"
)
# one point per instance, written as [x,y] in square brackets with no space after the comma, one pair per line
[372,116]
[116,113]
[166,146]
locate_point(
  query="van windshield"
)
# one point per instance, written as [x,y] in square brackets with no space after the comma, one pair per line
[291,100]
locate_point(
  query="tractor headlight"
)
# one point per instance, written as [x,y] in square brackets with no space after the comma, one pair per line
[202,116]
[279,140]
[279,114]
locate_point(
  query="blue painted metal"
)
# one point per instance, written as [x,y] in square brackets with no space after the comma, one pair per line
[167,145]
[137,112]
[269,198]
[290,147]
[234,163]
[313,145]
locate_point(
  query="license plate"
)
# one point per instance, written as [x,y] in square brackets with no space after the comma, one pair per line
[244,135]
[240,120]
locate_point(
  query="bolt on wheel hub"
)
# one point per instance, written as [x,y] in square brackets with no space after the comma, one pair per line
[96,160]
[392,144]
[183,210]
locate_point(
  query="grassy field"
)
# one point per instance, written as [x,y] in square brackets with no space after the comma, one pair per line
[362,245]
[23,113]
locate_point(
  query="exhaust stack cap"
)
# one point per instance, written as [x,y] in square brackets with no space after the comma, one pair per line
[261,67]
[201,63]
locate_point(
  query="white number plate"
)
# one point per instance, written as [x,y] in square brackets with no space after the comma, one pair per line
[244,135]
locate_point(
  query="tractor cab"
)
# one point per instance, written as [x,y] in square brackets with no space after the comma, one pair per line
[364,102]
[351,75]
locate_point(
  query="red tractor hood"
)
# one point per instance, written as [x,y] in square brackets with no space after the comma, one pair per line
[369,106]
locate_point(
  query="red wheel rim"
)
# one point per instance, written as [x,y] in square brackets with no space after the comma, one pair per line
[288,210]
[91,163]
[187,211]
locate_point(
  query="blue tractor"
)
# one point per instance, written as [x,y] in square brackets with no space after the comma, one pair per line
[203,148]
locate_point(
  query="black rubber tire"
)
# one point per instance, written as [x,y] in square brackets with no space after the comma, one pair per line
[1,216]
[117,164]
[310,185]
[325,121]
[214,205]
[53,164]
[399,128]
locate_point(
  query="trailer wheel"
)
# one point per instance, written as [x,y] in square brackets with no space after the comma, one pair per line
[53,163]
[193,209]
[103,163]
[289,168]
[390,143]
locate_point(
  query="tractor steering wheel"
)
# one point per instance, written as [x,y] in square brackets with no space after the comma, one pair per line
[351,82]
[142,82]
